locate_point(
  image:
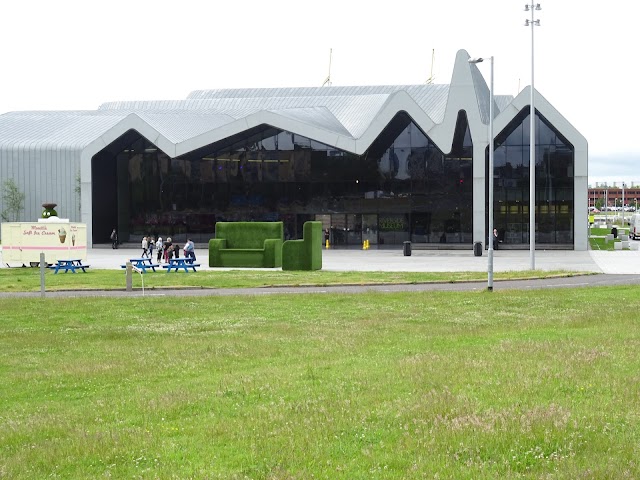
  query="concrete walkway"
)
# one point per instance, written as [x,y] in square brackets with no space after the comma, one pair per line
[610,262]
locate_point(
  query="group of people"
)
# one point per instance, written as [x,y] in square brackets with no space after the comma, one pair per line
[167,249]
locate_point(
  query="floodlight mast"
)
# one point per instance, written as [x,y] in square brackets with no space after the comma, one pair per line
[532,142]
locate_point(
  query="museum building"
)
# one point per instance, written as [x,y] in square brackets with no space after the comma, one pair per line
[379,163]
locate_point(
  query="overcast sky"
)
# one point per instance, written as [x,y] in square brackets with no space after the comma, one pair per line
[72,54]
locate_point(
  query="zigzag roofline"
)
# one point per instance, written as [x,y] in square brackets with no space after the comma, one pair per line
[466,92]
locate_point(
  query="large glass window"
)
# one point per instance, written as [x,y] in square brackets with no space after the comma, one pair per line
[434,189]
[554,183]
[406,184]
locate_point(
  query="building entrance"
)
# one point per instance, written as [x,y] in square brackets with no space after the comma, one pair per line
[345,229]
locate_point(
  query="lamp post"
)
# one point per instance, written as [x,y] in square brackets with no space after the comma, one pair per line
[490,236]
[622,204]
[606,206]
[532,144]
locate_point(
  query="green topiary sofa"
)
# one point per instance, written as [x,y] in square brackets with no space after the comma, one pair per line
[305,254]
[247,244]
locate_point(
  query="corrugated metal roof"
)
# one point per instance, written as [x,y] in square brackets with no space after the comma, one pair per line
[356,112]
[483,94]
[319,117]
[352,114]
[179,126]
[66,129]
[76,129]
[347,111]
[503,101]
[432,98]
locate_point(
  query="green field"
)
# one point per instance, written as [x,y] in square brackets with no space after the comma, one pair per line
[509,384]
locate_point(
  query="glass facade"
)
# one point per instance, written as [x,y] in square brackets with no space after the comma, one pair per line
[402,188]
[554,183]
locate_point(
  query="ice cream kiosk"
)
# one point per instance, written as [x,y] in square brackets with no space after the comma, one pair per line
[57,238]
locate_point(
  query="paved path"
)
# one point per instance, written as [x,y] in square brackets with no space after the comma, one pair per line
[613,262]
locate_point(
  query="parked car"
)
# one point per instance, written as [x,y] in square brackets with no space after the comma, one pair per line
[634,226]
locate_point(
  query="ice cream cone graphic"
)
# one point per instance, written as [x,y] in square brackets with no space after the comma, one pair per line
[73,239]
[62,234]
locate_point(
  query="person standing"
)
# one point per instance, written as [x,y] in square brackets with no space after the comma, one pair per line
[495,239]
[152,245]
[189,250]
[159,249]
[168,249]
[114,239]
[145,247]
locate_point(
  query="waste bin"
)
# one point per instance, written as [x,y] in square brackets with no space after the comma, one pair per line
[614,231]
[406,248]
[477,249]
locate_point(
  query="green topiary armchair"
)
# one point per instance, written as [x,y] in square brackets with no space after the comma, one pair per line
[305,254]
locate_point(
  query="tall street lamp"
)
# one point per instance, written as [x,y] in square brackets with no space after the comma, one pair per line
[623,185]
[606,205]
[490,236]
[532,145]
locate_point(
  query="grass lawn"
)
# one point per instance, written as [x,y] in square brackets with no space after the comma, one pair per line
[28,279]
[596,242]
[509,384]
[600,244]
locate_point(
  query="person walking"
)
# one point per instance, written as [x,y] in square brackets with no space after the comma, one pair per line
[114,239]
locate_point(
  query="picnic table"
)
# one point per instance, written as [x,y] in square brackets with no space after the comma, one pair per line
[142,264]
[181,263]
[71,265]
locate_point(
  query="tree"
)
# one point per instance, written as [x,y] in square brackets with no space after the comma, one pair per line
[13,200]
[78,190]
[599,203]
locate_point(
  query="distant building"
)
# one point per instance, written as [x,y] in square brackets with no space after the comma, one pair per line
[615,195]
[378,163]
